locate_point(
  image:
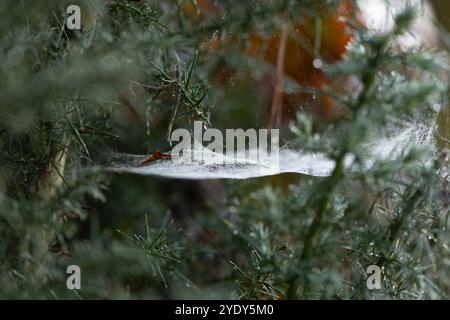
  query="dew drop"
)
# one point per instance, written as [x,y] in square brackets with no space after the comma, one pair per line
[436,107]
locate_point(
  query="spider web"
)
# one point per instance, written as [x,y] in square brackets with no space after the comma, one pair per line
[217,166]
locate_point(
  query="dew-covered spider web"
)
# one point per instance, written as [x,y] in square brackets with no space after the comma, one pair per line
[216,166]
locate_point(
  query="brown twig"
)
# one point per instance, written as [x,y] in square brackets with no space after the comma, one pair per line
[276,110]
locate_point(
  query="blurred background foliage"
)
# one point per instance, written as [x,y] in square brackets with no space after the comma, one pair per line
[137,69]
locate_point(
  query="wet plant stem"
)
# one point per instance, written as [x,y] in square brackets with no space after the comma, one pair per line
[368,80]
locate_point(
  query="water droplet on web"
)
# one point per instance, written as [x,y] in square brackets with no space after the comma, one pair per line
[437,107]
[318,63]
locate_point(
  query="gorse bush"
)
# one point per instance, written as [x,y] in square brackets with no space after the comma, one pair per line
[137,69]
